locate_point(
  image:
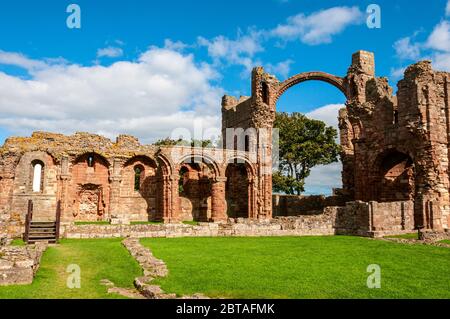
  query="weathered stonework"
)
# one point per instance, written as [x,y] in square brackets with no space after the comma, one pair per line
[97,180]
[18,265]
[153,268]
[394,150]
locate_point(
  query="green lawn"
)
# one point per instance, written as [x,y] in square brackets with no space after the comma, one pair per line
[98,259]
[301,267]
[445,241]
[405,236]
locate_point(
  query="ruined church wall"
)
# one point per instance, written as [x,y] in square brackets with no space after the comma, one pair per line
[44,201]
[294,205]
[138,205]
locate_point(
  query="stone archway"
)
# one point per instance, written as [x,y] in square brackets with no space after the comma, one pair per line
[336,81]
[348,129]
[393,177]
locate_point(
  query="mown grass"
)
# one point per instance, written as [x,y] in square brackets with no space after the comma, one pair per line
[301,267]
[192,223]
[146,223]
[445,241]
[98,259]
[405,236]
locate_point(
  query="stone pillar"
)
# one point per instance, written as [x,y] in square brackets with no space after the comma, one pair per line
[218,202]
[63,192]
[116,216]
[174,210]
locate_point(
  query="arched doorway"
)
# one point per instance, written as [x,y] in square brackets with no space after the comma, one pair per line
[195,189]
[90,188]
[322,97]
[238,190]
[138,188]
[393,177]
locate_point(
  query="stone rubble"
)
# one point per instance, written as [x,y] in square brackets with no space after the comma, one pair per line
[152,268]
[18,265]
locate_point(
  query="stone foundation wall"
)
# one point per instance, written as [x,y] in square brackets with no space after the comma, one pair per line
[356,218]
[294,205]
[375,219]
[434,236]
[284,226]
[18,265]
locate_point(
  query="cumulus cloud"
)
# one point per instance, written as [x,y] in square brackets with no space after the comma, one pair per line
[150,97]
[406,49]
[20,60]
[328,114]
[318,27]
[240,51]
[435,48]
[110,52]
[439,39]
[281,68]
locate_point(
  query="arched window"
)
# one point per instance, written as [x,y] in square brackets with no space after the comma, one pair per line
[37,176]
[90,160]
[138,177]
[265,92]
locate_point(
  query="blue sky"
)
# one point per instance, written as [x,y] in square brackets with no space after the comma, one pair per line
[148,67]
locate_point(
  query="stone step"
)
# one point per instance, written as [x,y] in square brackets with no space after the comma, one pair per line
[43,228]
[34,234]
[40,236]
[34,241]
[42,224]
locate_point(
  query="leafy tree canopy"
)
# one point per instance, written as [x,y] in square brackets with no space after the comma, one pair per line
[303,144]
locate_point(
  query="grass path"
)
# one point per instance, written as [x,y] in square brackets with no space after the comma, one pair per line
[301,267]
[98,259]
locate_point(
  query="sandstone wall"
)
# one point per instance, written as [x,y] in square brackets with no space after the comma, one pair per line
[293,205]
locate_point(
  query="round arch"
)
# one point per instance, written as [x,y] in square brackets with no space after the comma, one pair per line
[336,81]
[193,158]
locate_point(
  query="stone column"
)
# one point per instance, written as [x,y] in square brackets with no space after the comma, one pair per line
[218,202]
[174,211]
[115,214]
[63,192]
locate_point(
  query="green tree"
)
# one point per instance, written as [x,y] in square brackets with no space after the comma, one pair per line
[303,144]
[180,142]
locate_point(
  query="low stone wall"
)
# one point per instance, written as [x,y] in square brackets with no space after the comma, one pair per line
[284,226]
[18,265]
[375,219]
[434,236]
[355,218]
[294,205]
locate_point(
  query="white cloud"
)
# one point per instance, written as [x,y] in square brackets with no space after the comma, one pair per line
[282,68]
[239,51]
[17,59]
[405,49]
[175,45]
[440,37]
[328,114]
[109,52]
[324,179]
[318,27]
[398,73]
[161,91]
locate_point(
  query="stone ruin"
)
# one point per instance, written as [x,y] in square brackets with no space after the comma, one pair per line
[394,153]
